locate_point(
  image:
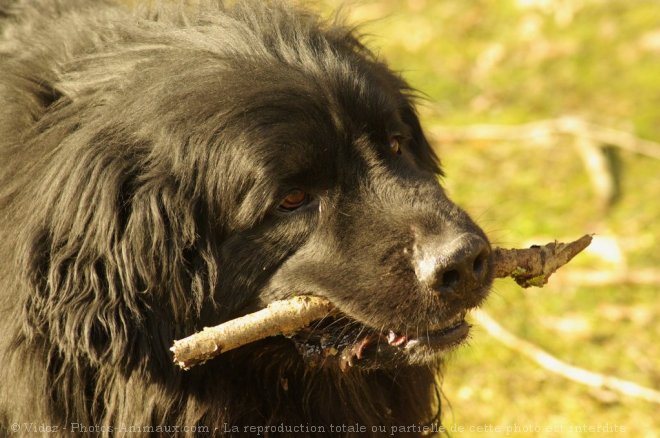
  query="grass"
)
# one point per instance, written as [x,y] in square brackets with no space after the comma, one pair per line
[511,62]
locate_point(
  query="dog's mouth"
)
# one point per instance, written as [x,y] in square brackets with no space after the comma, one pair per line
[343,342]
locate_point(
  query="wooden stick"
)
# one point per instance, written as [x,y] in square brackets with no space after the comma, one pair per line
[533,266]
[279,318]
[528,267]
[544,129]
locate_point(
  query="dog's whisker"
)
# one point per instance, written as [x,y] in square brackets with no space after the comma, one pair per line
[337,321]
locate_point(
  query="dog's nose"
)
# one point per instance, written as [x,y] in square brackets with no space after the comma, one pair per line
[462,266]
[457,267]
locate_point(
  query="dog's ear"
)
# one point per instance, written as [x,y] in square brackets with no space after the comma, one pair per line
[113,256]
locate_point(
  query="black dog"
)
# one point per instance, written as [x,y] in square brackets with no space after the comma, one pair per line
[175,168]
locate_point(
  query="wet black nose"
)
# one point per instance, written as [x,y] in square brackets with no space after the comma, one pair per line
[456,267]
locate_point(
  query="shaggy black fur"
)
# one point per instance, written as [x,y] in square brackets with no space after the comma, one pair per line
[144,160]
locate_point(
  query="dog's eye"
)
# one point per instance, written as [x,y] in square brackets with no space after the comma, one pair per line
[395,144]
[293,200]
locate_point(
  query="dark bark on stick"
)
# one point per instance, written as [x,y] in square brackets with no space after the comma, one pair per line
[533,266]
[528,267]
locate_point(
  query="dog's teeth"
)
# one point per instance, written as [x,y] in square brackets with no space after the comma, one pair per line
[400,341]
[394,339]
[391,336]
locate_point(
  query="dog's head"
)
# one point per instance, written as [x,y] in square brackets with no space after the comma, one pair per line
[255,155]
[333,191]
[359,217]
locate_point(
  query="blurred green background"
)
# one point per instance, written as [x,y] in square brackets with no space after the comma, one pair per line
[590,69]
